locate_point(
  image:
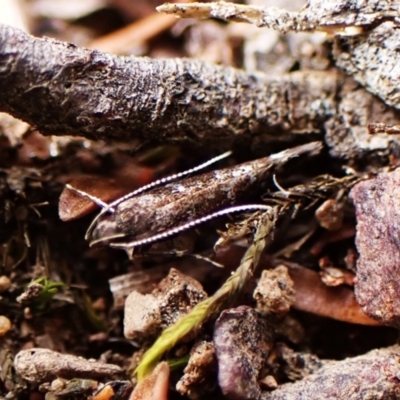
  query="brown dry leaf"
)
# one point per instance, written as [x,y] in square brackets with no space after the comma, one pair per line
[312,295]
[346,232]
[73,206]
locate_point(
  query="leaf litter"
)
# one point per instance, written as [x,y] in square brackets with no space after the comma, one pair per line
[296,259]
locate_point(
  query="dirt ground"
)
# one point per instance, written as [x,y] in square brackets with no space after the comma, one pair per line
[268,273]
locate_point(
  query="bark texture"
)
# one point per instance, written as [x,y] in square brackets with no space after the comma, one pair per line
[373,60]
[368,51]
[62,89]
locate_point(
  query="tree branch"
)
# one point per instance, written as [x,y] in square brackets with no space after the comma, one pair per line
[62,89]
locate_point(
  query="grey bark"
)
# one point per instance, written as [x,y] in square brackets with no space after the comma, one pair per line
[62,89]
[368,51]
[322,15]
[373,60]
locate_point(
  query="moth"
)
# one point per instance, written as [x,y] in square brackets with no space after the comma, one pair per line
[174,204]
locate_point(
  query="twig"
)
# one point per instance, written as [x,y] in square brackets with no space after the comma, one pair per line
[316,15]
[62,89]
[269,17]
[366,33]
[136,33]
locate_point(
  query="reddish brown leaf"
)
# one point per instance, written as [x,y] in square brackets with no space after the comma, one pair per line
[72,206]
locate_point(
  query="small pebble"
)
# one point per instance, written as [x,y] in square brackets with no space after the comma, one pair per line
[5,325]
[268,382]
[57,385]
[330,215]
[275,291]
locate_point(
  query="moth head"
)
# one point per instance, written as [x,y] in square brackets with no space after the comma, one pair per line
[104,230]
[111,226]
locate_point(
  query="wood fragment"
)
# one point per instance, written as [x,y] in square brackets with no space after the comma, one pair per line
[43,365]
[347,131]
[316,15]
[270,17]
[99,96]
[366,34]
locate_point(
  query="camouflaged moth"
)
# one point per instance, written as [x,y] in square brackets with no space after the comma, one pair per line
[172,205]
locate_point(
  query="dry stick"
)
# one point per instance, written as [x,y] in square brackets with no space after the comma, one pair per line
[368,50]
[137,33]
[315,15]
[61,89]
[270,17]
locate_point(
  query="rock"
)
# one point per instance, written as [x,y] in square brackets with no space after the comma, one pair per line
[147,315]
[377,285]
[242,341]
[275,291]
[142,316]
[371,376]
[42,365]
[199,379]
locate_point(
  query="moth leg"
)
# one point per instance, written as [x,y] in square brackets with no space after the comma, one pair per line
[106,238]
[175,253]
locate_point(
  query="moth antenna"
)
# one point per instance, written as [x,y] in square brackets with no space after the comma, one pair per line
[189,225]
[170,178]
[158,182]
[206,259]
[281,189]
[95,199]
